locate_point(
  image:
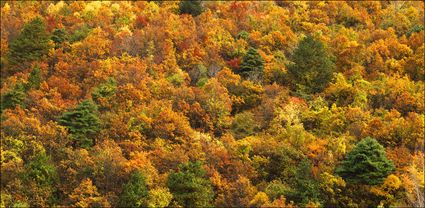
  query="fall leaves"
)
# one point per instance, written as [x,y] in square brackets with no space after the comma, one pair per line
[201,103]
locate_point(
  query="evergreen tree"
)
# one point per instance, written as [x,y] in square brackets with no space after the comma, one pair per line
[366,164]
[312,67]
[82,123]
[189,187]
[104,90]
[135,192]
[14,97]
[35,78]
[31,44]
[59,36]
[306,189]
[252,66]
[192,7]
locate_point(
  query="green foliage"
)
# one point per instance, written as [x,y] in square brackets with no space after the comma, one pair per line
[59,36]
[252,66]
[366,164]
[135,192]
[306,189]
[14,97]
[105,90]
[41,170]
[243,35]
[243,125]
[31,44]
[80,34]
[159,197]
[312,68]
[189,186]
[275,189]
[82,122]
[35,79]
[192,7]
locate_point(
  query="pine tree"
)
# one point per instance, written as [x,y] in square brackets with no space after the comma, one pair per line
[312,67]
[31,44]
[366,164]
[14,97]
[306,189]
[252,66]
[82,123]
[34,80]
[189,187]
[192,7]
[135,192]
[104,90]
[58,37]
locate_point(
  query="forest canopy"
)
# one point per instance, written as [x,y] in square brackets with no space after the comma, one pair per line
[212,103]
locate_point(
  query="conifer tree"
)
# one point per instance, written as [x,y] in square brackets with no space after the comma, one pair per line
[31,44]
[366,164]
[82,123]
[252,66]
[312,67]
[35,79]
[59,36]
[306,189]
[14,97]
[192,7]
[189,187]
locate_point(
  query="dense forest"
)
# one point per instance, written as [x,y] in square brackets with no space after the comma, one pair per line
[212,104]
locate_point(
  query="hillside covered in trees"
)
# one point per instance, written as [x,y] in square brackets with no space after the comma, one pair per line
[212,104]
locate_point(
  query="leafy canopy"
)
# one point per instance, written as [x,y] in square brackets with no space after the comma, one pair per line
[135,191]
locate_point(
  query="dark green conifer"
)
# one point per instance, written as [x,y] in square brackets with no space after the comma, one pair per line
[192,7]
[252,66]
[35,79]
[31,44]
[366,164]
[312,68]
[189,186]
[82,123]
[14,97]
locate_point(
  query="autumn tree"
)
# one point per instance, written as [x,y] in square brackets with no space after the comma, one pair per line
[243,125]
[31,44]
[82,123]
[312,66]
[87,195]
[366,163]
[189,186]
